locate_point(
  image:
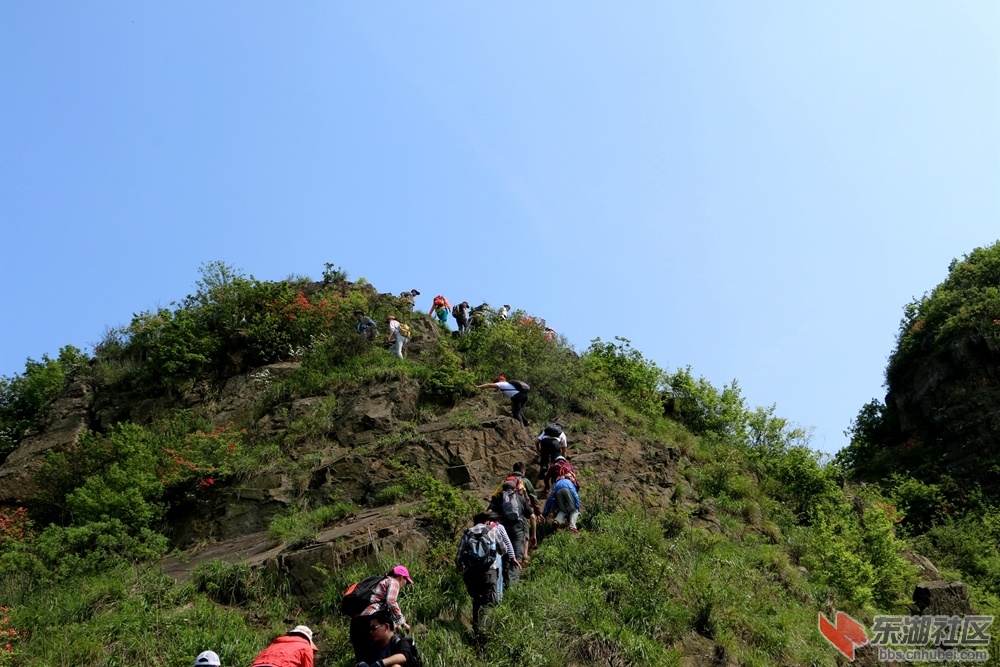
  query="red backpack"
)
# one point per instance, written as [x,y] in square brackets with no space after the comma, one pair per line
[518,484]
[561,469]
[438,301]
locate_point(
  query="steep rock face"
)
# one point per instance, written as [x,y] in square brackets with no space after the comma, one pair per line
[68,418]
[356,441]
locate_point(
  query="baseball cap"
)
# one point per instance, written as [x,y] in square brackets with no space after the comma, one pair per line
[401,571]
[207,659]
[305,631]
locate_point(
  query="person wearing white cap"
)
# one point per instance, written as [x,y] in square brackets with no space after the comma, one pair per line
[293,649]
[207,659]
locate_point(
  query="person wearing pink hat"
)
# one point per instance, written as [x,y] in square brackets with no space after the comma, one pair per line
[384,596]
[293,649]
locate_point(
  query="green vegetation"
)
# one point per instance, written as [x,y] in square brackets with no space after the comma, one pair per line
[24,398]
[759,533]
[930,448]
[295,528]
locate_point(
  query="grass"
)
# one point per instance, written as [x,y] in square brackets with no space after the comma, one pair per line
[295,528]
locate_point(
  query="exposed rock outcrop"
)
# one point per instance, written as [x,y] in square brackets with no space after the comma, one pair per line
[67,419]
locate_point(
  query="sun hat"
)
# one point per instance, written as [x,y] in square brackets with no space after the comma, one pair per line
[401,571]
[207,659]
[560,457]
[305,631]
[391,317]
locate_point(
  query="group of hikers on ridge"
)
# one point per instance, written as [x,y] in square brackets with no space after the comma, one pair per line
[466,317]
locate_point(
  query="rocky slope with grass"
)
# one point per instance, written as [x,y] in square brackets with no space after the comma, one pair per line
[217,471]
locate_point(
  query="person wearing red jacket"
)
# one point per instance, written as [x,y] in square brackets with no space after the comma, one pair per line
[294,649]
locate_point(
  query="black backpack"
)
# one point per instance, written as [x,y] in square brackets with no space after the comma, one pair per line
[456,311]
[551,445]
[553,430]
[520,386]
[358,595]
[411,653]
[479,548]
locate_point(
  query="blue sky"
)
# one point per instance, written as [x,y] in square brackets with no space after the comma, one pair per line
[752,189]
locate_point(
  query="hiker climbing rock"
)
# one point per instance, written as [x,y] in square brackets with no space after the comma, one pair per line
[559,469]
[406,300]
[461,314]
[389,647]
[440,309]
[517,391]
[294,649]
[549,444]
[368,597]
[399,335]
[480,557]
[536,508]
[479,317]
[366,326]
[564,498]
[514,513]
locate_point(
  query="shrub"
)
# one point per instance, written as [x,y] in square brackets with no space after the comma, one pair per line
[623,370]
[919,503]
[25,398]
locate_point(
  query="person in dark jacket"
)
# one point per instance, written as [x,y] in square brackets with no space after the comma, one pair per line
[513,510]
[366,326]
[391,649]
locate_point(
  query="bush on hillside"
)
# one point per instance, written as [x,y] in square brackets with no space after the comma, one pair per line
[25,398]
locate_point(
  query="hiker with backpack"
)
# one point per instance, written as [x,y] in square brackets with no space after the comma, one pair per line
[399,335]
[516,390]
[294,649]
[514,513]
[406,300]
[559,469]
[390,648]
[461,314]
[440,309]
[532,497]
[366,598]
[549,444]
[504,313]
[480,557]
[479,317]
[366,326]
[564,498]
